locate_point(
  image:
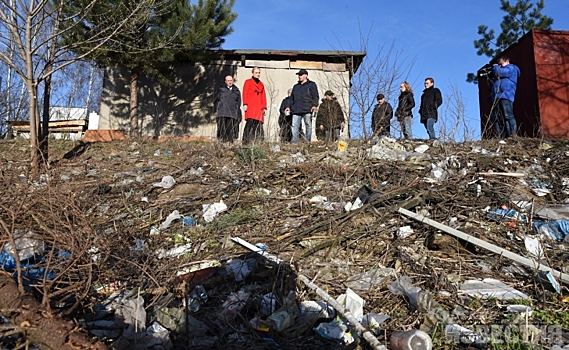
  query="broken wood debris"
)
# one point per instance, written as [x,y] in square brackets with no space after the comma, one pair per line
[483,244]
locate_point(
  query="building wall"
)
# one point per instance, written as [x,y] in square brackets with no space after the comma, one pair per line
[187,107]
[552,68]
[541,104]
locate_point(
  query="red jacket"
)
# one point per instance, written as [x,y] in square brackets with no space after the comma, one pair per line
[255,99]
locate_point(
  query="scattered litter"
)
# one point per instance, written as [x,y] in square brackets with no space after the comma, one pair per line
[365,281]
[353,206]
[556,230]
[336,331]
[28,245]
[463,335]
[410,340]
[373,322]
[174,252]
[490,288]
[519,309]
[548,281]
[533,247]
[234,303]
[195,172]
[175,215]
[353,302]
[505,213]
[211,211]
[421,148]
[404,232]
[188,221]
[166,183]
[297,158]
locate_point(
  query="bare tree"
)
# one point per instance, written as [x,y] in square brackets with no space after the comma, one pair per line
[454,123]
[380,73]
[33,29]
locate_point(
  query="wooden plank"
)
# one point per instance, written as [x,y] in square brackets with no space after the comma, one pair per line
[483,244]
[334,67]
[305,65]
[267,64]
[257,250]
[503,174]
[73,122]
[57,129]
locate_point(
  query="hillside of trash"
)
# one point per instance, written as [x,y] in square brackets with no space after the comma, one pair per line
[203,245]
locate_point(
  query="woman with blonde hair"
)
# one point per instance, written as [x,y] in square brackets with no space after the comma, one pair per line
[404,111]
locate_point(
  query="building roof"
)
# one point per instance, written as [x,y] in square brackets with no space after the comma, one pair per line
[330,56]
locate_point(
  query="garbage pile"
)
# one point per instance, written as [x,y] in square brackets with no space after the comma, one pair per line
[399,244]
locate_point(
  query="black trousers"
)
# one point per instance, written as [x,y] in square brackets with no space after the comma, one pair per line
[227,129]
[285,124]
[253,131]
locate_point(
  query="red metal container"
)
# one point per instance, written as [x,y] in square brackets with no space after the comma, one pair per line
[541,104]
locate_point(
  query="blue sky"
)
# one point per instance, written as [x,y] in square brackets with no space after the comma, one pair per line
[439,34]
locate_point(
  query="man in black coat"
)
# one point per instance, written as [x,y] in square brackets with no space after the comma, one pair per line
[381,117]
[285,119]
[227,102]
[430,102]
[304,104]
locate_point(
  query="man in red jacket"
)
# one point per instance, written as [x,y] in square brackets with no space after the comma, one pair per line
[255,107]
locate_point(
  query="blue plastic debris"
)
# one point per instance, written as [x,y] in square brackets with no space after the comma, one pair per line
[261,246]
[8,264]
[548,281]
[499,214]
[555,229]
[272,343]
[189,221]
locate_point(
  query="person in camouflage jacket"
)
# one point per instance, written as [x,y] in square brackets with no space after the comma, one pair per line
[330,119]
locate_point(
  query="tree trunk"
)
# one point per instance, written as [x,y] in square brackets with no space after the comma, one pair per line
[38,325]
[134,103]
[44,135]
[35,158]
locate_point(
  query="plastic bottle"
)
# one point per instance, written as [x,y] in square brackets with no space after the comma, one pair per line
[411,340]
[343,144]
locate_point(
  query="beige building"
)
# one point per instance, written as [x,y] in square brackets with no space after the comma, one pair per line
[186,108]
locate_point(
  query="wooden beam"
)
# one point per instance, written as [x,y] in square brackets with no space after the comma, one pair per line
[483,244]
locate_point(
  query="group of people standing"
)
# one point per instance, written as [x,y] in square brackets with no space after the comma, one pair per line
[300,106]
[227,102]
[431,99]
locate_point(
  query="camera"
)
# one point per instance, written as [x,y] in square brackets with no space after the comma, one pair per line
[486,72]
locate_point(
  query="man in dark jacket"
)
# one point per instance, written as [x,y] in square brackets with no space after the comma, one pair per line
[330,119]
[304,103]
[227,102]
[285,119]
[381,117]
[430,102]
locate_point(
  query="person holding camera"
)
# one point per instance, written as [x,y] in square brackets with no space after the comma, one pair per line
[504,84]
